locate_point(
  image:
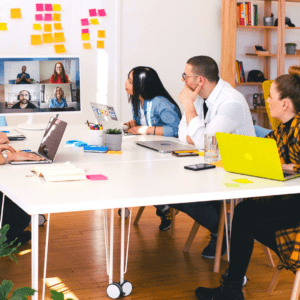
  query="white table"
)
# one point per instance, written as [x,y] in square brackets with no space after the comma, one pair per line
[142,177]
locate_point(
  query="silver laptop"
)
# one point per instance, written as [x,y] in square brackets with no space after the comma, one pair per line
[50,143]
[15,135]
[165,146]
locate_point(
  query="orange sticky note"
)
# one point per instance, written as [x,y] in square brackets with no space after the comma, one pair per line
[37,26]
[59,37]
[94,21]
[85,36]
[87,46]
[48,27]
[101,33]
[60,48]
[3,26]
[100,44]
[57,26]
[56,17]
[48,38]
[56,7]
[36,40]
[15,13]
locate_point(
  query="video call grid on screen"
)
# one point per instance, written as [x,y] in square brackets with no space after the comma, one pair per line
[28,84]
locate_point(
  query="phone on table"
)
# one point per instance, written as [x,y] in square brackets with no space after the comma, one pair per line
[199,167]
[184,154]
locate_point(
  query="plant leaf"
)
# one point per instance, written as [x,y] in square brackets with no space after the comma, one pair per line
[56,295]
[5,288]
[22,293]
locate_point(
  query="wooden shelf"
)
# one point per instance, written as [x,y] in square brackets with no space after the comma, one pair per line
[249,83]
[292,55]
[259,109]
[264,27]
[259,55]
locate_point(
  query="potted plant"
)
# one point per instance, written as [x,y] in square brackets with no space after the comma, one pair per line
[113,139]
[290,48]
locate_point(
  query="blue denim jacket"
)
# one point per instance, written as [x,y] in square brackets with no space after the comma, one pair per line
[159,111]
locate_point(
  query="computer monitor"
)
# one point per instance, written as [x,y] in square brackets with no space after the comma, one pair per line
[31,85]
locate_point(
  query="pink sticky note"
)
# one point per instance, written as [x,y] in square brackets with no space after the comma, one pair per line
[85,22]
[39,7]
[48,17]
[93,12]
[101,12]
[96,177]
[39,17]
[85,30]
[48,7]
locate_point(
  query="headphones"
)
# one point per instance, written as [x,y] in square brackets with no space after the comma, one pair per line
[25,91]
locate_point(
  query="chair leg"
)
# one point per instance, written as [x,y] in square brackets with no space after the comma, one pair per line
[296,287]
[268,256]
[219,240]
[172,210]
[191,237]
[139,214]
[274,281]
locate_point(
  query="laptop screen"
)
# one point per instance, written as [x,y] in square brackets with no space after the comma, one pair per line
[52,138]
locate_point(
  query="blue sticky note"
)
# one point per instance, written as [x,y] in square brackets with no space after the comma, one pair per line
[72,142]
[80,144]
[4,131]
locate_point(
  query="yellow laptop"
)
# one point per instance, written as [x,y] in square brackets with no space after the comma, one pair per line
[251,155]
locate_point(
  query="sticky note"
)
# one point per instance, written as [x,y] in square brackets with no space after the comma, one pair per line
[101,12]
[96,177]
[48,27]
[56,17]
[3,26]
[101,33]
[37,26]
[36,40]
[100,44]
[15,13]
[94,21]
[60,48]
[232,185]
[242,180]
[87,46]
[56,7]
[59,37]
[114,152]
[48,17]
[39,17]
[48,38]
[92,12]
[85,22]
[218,164]
[57,26]
[85,30]
[39,7]
[85,36]
[48,7]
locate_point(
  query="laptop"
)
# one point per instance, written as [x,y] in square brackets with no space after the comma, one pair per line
[15,135]
[165,146]
[49,144]
[252,156]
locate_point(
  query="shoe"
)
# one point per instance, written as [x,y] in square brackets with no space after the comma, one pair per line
[23,238]
[165,222]
[210,250]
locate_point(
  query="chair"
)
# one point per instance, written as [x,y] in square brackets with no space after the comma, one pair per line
[3,121]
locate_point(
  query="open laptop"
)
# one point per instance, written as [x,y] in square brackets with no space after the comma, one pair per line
[15,135]
[252,156]
[49,144]
[165,146]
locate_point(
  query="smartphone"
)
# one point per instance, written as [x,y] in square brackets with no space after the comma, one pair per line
[183,154]
[199,167]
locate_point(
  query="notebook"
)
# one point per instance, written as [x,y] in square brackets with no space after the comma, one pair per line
[15,135]
[252,156]
[164,146]
[49,144]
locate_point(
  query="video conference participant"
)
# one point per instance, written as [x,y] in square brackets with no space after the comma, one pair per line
[59,75]
[264,218]
[58,101]
[23,78]
[154,110]
[24,98]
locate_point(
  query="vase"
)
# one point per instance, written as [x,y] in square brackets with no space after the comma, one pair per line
[113,141]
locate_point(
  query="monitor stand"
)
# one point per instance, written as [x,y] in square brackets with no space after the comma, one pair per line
[29,125]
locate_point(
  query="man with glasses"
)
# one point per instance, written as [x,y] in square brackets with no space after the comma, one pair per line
[24,98]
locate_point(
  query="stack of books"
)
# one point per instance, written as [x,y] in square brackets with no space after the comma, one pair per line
[247,14]
[240,74]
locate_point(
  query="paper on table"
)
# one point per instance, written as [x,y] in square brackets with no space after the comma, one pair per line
[101,33]
[39,7]
[39,168]
[48,27]
[100,44]
[96,177]
[15,13]
[87,46]
[242,180]
[59,37]
[94,21]
[36,40]
[3,26]
[60,48]
[101,12]
[48,7]
[56,7]
[85,36]
[39,17]
[56,17]
[64,175]
[93,12]
[48,38]
[85,22]
[48,17]
[57,26]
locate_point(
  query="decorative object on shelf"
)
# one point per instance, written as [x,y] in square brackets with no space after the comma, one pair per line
[256,76]
[259,50]
[113,139]
[240,72]
[268,21]
[290,48]
[258,100]
[288,22]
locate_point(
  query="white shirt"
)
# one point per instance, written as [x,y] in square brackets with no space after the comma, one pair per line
[143,118]
[228,111]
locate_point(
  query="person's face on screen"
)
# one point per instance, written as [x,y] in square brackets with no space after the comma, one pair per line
[23,69]
[58,68]
[129,85]
[191,79]
[24,97]
[58,93]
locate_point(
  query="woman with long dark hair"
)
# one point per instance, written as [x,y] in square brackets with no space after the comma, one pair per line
[154,110]
[59,74]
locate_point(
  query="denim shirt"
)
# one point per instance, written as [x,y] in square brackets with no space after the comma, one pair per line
[159,111]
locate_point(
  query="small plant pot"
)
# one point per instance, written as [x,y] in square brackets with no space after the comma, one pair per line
[268,21]
[290,48]
[113,141]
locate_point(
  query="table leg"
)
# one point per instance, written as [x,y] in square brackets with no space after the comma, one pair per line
[122,245]
[111,248]
[35,255]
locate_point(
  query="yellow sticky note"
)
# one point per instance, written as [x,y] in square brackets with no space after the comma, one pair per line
[94,21]
[101,34]
[15,13]
[100,44]
[56,7]
[242,180]
[87,46]
[48,27]
[36,40]
[3,26]
[37,26]
[114,152]
[85,36]
[232,185]
[56,17]
[59,37]
[218,164]
[48,38]
[60,48]
[57,26]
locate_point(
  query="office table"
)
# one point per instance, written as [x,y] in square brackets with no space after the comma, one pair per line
[137,177]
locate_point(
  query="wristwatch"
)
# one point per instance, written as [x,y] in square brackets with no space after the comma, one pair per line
[4,154]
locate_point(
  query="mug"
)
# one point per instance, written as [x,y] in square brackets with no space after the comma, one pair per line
[211,150]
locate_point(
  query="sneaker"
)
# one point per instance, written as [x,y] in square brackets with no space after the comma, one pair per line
[165,222]
[210,250]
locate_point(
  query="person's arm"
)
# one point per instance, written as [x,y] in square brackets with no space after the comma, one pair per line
[52,79]
[51,105]
[27,79]
[3,138]
[20,156]
[65,103]
[18,80]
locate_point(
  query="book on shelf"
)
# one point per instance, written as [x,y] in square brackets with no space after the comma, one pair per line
[240,72]
[247,14]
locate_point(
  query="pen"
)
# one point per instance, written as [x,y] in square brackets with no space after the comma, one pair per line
[88,123]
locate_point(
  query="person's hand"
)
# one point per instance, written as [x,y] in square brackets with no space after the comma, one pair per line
[130,124]
[20,156]
[7,147]
[188,96]
[138,130]
[288,167]
[3,138]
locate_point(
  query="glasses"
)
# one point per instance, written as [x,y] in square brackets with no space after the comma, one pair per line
[24,95]
[184,76]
